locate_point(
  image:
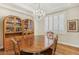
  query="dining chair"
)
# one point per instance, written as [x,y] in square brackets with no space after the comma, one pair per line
[54,37]
[16,46]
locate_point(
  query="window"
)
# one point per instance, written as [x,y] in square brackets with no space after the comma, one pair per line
[55,23]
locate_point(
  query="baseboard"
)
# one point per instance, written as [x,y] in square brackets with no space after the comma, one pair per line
[77,46]
[1,47]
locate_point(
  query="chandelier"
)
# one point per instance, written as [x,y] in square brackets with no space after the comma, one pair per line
[39,12]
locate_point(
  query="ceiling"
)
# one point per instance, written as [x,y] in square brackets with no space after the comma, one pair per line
[47,7]
[50,7]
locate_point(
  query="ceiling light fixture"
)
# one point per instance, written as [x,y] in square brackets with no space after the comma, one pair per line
[39,12]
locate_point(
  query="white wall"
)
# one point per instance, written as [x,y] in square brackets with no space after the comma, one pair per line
[1,33]
[39,26]
[6,12]
[69,38]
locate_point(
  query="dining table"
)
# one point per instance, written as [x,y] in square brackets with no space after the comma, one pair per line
[37,45]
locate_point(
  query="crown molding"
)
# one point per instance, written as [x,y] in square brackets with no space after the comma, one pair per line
[23,6]
[63,9]
[24,9]
[12,8]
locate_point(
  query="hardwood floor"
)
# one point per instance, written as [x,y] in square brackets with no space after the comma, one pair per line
[66,50]
[61,50]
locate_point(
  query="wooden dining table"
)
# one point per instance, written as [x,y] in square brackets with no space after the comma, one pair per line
[38,44]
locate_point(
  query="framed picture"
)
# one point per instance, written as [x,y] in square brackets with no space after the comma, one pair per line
[72,26]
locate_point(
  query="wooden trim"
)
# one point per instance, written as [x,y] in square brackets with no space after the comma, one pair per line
[3,32]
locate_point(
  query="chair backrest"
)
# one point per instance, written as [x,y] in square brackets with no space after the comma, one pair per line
[53,36]
[16,46]
[50,35]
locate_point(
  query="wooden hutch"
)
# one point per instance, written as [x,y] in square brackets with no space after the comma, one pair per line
[14,26]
